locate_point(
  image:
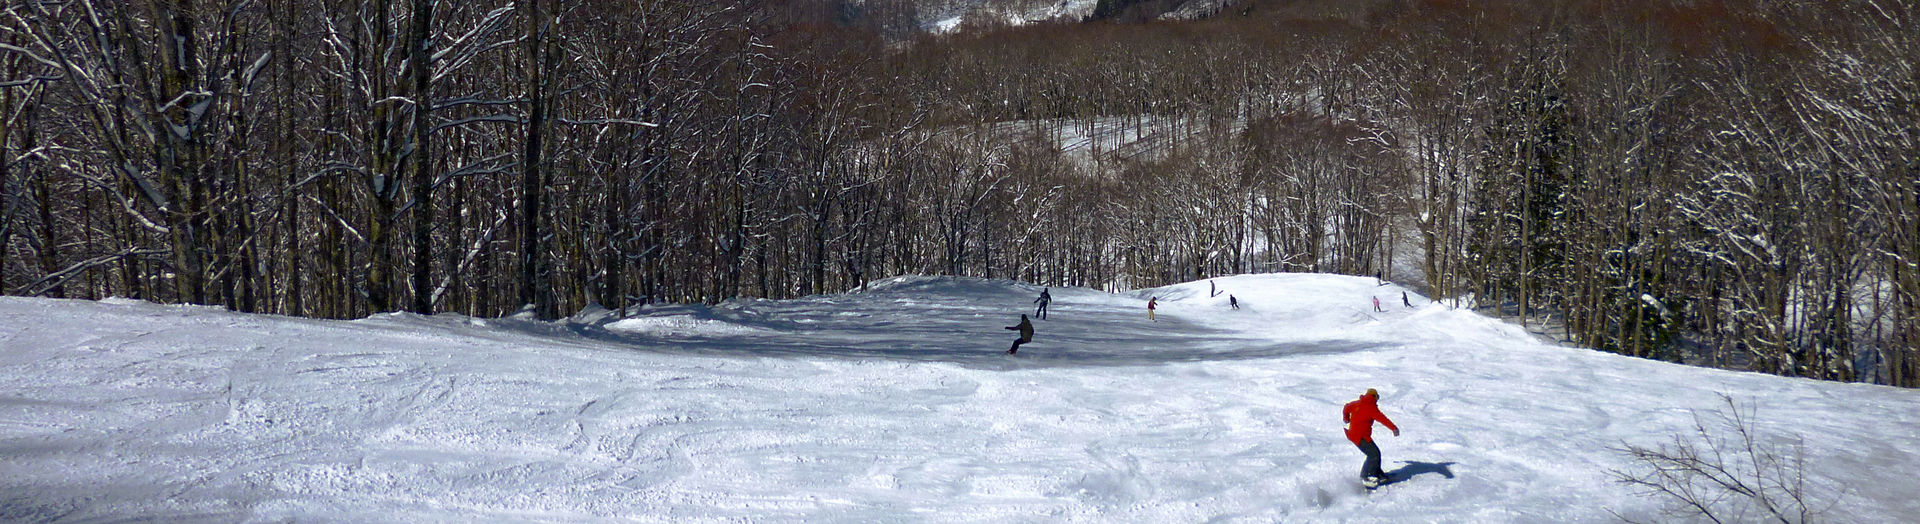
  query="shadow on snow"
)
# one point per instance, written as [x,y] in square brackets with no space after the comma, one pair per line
[1415,468]
[934,320]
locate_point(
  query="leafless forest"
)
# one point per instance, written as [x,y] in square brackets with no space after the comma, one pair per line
[1736,181]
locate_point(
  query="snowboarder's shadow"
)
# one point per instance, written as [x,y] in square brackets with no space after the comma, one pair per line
[1413,468]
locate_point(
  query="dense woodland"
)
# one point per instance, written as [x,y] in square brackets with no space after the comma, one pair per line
[1732,182]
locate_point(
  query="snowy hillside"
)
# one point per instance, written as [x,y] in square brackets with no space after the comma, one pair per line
[1088,141]
[945,16]
[895,404]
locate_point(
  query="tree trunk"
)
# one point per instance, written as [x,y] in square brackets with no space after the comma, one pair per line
[383,153]
[534,260]
[175,42]
[419,60]
[49,243]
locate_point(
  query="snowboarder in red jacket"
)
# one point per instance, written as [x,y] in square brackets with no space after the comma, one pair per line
[1359,416]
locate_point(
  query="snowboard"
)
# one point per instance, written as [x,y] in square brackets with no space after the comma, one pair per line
[1390,479]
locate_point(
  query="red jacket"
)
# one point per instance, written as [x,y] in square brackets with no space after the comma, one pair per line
[1359,416]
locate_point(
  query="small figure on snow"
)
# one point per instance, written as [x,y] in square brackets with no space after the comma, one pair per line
[1151,302]
[1026,334]
[1359,416]
[1233,302]
[1376,305]
[1212,291]
[1404,301]
[1044,299]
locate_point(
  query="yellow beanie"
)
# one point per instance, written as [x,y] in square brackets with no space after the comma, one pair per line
[1372,393]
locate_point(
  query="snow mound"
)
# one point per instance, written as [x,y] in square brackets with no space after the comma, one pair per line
[682,326]
[934,287]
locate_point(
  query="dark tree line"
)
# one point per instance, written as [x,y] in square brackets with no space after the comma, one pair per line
[1731,182]
[336,158]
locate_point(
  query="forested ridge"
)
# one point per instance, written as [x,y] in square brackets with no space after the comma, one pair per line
[1735,183]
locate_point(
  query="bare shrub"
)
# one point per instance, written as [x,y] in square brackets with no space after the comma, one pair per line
[1728,470]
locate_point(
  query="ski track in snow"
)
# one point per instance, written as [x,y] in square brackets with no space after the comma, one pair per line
[893,404]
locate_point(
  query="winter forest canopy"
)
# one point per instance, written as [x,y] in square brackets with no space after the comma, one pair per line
[1732,183]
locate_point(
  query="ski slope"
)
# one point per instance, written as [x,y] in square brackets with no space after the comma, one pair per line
[945,17]
[897,404]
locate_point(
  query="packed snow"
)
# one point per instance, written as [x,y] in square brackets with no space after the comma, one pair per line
[897,403]
[948,19]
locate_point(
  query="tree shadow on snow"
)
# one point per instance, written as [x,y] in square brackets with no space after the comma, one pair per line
[1096,341]
[978,347]
[931,320]
[1415,468]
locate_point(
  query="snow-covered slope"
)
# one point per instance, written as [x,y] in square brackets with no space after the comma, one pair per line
[896,404]
[1111,138]
[944,16]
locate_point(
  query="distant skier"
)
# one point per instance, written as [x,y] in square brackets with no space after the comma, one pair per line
[1044,299]
[1151,302]
[1376,305]
[1211,290]
[1026,334]
[1233,302]
[1403,299]
[1359,417]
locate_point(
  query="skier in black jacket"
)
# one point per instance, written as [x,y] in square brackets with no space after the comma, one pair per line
[1026,334]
